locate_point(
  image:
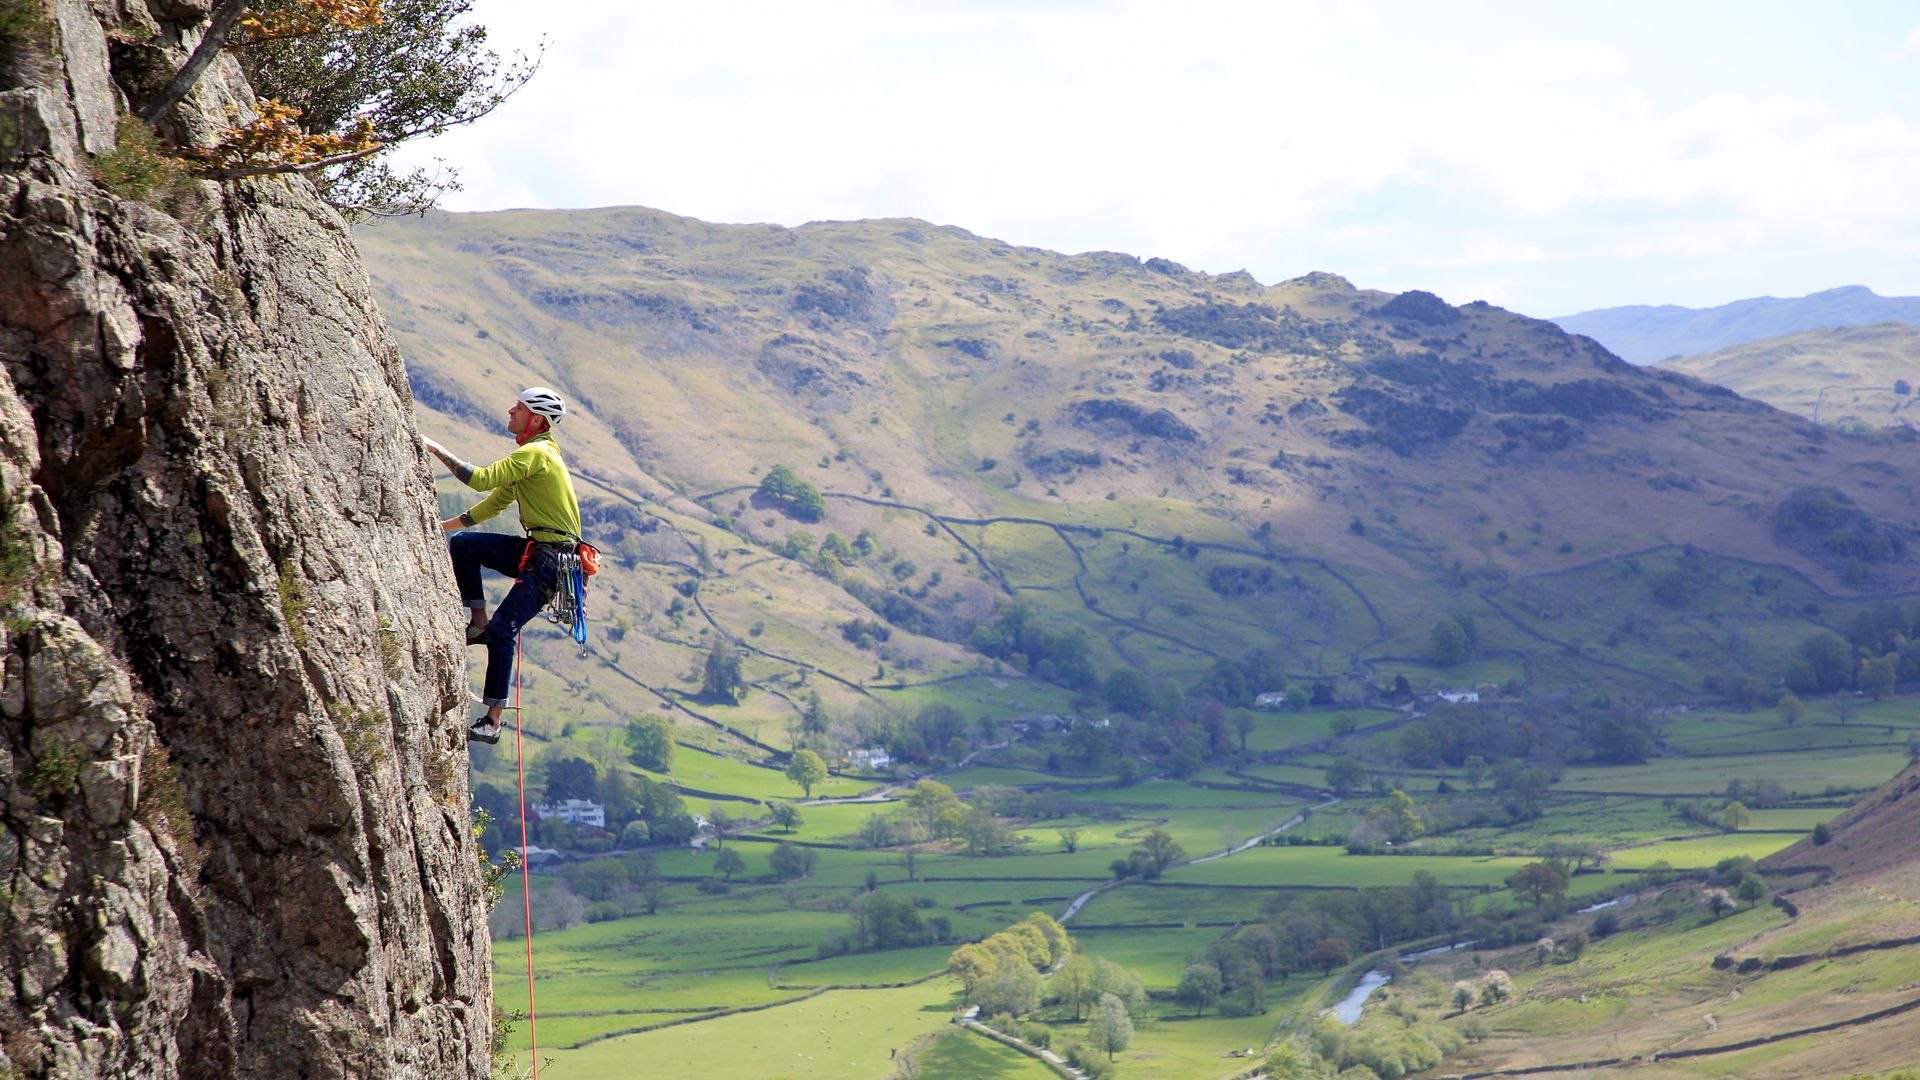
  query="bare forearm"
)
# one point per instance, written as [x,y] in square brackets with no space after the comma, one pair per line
[461,470]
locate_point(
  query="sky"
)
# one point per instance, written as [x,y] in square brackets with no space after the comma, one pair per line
[1548,158]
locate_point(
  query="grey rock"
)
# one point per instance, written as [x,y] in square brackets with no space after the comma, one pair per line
[83,49]
[236,837]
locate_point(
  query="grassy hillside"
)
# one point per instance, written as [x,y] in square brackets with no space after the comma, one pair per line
[1035,471]
[1185,468]
[1818,982]
[1841,376]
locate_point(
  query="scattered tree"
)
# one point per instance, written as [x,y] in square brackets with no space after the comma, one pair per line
[720,678]
[791,861]
[1199,987]
[728,863]
[1462,997]
[1790,708]
[1111,1029]
[782,487]
[1538,881]
[786,816]
[1877,676]
[806,769]
[1329,953]
[1475,768]
[650,742]
[1242,726]
[1449,643]
[1072,984]
[1162,850]
[1346,775]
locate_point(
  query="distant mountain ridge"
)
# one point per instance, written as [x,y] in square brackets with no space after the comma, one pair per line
[1167,471]
[1648,334]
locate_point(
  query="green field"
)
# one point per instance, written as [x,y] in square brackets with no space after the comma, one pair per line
[964,1055]
[1800,772]
[703,958]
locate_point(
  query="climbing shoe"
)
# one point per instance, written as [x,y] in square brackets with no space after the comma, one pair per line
[484,730]
[476,635]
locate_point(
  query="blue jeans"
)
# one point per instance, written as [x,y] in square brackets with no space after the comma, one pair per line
[502,554]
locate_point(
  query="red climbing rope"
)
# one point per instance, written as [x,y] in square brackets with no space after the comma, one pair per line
[526,889]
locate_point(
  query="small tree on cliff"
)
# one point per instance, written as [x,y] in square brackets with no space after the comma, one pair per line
[340,83]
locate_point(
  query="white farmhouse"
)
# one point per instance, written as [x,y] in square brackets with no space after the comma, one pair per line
[1461,697]
[1272,699]
[870,757]
[574,812]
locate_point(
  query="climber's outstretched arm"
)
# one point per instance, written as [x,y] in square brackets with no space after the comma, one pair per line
[462,470]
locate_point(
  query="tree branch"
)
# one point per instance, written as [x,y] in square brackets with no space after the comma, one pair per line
[240,171]
[218,27]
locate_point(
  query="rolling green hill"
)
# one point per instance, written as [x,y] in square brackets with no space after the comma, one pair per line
[1183,468]
[1857,368]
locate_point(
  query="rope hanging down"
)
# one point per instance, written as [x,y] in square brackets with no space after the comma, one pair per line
[526,888]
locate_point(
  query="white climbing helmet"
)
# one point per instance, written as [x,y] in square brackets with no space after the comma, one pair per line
[544,402]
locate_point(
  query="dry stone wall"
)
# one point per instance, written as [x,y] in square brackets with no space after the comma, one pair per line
[234,835]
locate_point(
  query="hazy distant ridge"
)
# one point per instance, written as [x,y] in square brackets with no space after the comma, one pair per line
[1647,334]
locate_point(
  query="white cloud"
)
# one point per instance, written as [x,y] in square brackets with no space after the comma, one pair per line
[1281,137]
[1908,48]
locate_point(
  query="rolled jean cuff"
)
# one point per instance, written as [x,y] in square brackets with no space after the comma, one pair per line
[494,702]
[479,604]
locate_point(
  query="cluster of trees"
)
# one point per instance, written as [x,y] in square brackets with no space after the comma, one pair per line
[1157,851]
[1016,636]
[1034,961]
[1491,988]
[595,890]
[1315,934]
[937,730]
[799,499]
[1825,521]
[880,921]
[832,555]
[937,733]
[1004,973]
[639,812]
[1597,730]
[1335,1050]
[1238,682]
[930,812]
[1879,651]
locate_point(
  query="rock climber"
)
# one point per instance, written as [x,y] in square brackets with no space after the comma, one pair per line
[535,476]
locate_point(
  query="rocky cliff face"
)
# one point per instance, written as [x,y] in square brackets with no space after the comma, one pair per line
[233,828]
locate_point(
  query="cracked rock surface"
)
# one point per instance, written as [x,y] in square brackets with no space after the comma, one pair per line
[234,835]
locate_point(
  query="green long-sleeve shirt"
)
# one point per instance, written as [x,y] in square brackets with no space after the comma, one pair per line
[535,475]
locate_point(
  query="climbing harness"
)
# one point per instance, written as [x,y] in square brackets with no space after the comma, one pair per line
[573,563]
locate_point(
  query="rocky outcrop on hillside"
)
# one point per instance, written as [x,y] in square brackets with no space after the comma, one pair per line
[233,828]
